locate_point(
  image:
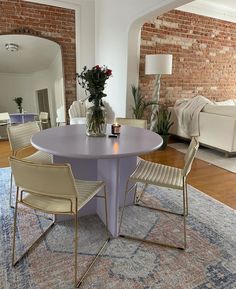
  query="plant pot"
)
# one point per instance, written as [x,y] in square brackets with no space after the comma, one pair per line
[165,141]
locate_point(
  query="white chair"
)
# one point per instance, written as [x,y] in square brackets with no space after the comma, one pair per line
[61,118]
[163,176]
[43,119]
[142,123]
[19,138]
[52,189]
[77,112]
[4,120]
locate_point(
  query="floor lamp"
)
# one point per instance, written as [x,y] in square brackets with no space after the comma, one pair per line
[157,64]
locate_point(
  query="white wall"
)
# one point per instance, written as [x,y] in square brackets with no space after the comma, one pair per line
[108,33]
[85,31]
[26,86]
[16,85]
[42,80]
[219,9]
[52,79]
[117,42]
[58,89]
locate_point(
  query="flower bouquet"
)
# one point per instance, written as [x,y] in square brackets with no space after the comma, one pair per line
[93,81]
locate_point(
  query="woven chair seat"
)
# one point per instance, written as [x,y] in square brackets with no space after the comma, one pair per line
[39,157]
[158,174]
[86,190]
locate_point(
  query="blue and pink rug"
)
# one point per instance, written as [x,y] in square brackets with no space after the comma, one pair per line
[208,262]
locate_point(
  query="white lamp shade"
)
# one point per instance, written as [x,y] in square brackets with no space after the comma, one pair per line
[158,64]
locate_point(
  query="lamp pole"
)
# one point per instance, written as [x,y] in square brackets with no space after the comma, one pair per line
[155,97]
[157,64]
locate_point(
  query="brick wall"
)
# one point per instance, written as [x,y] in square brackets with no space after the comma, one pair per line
[204,56]
[55,23]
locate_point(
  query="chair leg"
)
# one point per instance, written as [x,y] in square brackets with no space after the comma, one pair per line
[186,198]
[76,247]
[106,215]
[36,242]
[10,199]
[122,212]
[151,241]
[158,209]
[139,196]
[79,282]
[137,199]
[185,212]
[135,194]
[14,228]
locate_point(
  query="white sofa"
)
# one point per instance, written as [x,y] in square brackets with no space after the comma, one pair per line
[217,125]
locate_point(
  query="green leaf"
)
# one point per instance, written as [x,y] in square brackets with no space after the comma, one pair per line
[140,103]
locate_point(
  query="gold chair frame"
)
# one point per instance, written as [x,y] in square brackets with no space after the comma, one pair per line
[137,199]
[19,200]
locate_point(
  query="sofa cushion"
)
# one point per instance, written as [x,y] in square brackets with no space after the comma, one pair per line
[227,110]
[226,102]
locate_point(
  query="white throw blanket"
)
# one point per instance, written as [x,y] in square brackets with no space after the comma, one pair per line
[187,112]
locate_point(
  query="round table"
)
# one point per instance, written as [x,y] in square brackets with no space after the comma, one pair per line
[22,117]
[99,158]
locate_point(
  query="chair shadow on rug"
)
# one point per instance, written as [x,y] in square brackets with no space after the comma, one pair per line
[52,189]
[164,176]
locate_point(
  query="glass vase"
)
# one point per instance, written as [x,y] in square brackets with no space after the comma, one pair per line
[96,121]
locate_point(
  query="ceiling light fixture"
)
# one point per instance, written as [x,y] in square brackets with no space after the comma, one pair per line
[11,47]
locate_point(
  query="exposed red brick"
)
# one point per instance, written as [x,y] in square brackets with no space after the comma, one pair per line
[204,56]
[55,23]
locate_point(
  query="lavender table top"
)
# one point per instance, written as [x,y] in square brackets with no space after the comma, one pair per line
[22,117]
[71,141]
[22,114]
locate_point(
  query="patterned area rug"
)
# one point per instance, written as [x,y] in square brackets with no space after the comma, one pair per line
[211,156]
[208,262]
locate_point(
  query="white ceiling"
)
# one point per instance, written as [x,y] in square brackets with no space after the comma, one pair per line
[34,54]
[220,9]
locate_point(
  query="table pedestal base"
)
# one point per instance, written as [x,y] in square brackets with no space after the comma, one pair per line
[115,173]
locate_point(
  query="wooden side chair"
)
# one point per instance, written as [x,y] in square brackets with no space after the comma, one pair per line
[156,174]
[52,189]
[19,138]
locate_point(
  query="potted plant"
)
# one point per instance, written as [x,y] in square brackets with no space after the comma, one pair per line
[18,101]
[163,124]
[140,103]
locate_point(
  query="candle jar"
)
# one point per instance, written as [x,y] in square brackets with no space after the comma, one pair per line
[115,128]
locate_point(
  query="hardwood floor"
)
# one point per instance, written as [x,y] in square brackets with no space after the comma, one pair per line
[5,152]
[212,180]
